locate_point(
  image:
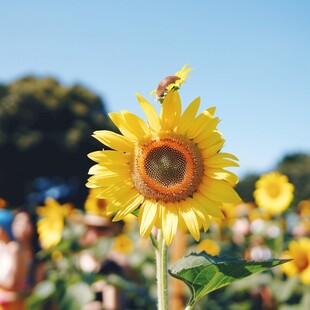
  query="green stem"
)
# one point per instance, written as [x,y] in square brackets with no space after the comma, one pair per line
[161,272]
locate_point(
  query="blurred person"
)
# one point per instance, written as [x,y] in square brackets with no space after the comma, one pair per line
[12,270]
[24,231]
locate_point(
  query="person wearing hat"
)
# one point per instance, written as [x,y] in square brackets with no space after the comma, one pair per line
[10,266]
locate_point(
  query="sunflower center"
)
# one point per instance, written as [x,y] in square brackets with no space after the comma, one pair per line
[273,190]
[169,168]
[166,165]
[301,261]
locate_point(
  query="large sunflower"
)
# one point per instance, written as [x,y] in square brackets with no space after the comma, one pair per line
[170,167]
[273,192]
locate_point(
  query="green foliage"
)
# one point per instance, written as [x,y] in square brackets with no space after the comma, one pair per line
[246,187]
[204,273]
[45,131]
[297,168]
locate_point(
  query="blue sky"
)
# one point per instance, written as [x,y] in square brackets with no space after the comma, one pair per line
[251,60]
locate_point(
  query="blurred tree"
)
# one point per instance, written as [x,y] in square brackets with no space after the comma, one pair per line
[297,168]
[246,186]
[45,135]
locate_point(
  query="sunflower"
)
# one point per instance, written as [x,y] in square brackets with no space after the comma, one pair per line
[169,170]
[304,208]
[299,252]
[171,82]
[230,214]
[51,223]
[95,206]
[273,192]
[123,244]
[209,246]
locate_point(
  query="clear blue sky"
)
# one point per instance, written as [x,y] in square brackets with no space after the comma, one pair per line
[251,59]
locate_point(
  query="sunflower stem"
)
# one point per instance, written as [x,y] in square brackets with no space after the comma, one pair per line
[161,271]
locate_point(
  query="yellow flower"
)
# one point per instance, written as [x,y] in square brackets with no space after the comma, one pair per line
[130,222]
[209,246]
[299,252]
[57,256]
[273,193]
[171,82]
[304,208]
[51,223]
[123,244]
[94,205]
[171,168]
[230,214]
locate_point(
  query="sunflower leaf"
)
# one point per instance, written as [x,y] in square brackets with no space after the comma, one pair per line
[204,273]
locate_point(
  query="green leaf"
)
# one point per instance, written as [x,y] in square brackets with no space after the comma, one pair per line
[204,273]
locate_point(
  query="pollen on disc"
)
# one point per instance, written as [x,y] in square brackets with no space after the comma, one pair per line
[166,166]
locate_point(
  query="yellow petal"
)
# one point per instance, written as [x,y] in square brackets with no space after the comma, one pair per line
[218,190]
[147,217]
[200,124]
[220,161]
[122,169]
[129,206]
[209,140]
[104,180]
[109,157]
[208,131]
[213,149]
[201,212]
[150,113]
[211,110]
[113,140]
[169,221]
[171,111]
[119,121]
[119,189]
[188,116]
[222,174]
[190,219]
[210,206]
[135,124]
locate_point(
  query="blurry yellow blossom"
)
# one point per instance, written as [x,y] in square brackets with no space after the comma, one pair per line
[51,223]
[304,208]
[273,193]
[123,244]
[130,222]
[299,252]
[256,213]
[230,215]
[209,246]
[94,205]
[171,82]
[57,256]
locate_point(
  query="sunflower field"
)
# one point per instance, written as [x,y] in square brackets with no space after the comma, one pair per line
[147,215]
